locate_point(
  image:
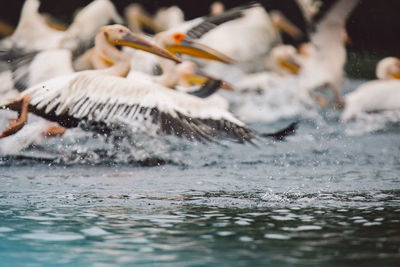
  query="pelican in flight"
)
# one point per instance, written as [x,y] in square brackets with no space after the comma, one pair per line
[102,99]
[42,69]
[326,53]
[378,95]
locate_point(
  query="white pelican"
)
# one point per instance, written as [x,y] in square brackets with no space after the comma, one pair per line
[168,18]
[102,99]
[106,41]
[388,68]
[137,19]
[282,61]
[327,53]
[33,33]
[242,33]
[178,43]
[217,8]
[377,95]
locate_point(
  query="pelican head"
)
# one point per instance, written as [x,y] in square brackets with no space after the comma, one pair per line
[118,35]
[388,68]
[284,59]
[217,8]
[178,43]
[167,18]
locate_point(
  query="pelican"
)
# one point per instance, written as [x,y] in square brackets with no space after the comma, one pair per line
[327,54]
[388,68]
[168,18]
[282,61]
[378,95]
[103,46]
[217,8]
[242,33]
[178,43]
[102,99]
[34,34]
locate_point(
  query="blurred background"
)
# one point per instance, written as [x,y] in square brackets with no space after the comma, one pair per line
[373,27]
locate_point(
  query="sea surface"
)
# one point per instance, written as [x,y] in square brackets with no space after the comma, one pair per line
[327,196]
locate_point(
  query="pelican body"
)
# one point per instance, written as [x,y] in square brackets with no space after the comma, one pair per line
[378,95]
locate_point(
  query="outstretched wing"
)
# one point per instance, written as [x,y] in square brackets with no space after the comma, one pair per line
[110,101]
[330,26]
[209,23]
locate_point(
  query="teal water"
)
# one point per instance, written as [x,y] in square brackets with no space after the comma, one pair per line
[325,197]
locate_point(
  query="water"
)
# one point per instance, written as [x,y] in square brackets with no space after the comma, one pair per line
[330,195]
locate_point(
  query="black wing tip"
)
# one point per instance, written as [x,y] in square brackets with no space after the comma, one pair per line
[282,134]
[208,89]
[211,22]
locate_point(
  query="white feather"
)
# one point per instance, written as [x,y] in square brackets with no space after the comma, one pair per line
[67,91]
[379,95]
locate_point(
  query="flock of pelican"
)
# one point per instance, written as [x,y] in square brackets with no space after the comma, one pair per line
[105,75]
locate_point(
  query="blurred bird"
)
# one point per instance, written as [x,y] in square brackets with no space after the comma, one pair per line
[34,34]
[378,95]
[326,53]
[388,68]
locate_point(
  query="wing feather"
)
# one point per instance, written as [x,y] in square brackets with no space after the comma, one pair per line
[209,23]
[90,97]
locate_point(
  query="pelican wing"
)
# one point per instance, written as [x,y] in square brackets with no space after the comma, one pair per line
[209,23]
[18,62]
[34,67]
[112,101]
[332,25]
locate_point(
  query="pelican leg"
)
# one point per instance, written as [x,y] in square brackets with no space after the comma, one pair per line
[17,124]
[338,98]
[54,130]
[320,100]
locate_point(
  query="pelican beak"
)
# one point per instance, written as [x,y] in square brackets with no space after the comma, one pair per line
[194,49]
[201,78]
[136,42]
[290,65]
[281,23]
[396,75]
[347,39]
